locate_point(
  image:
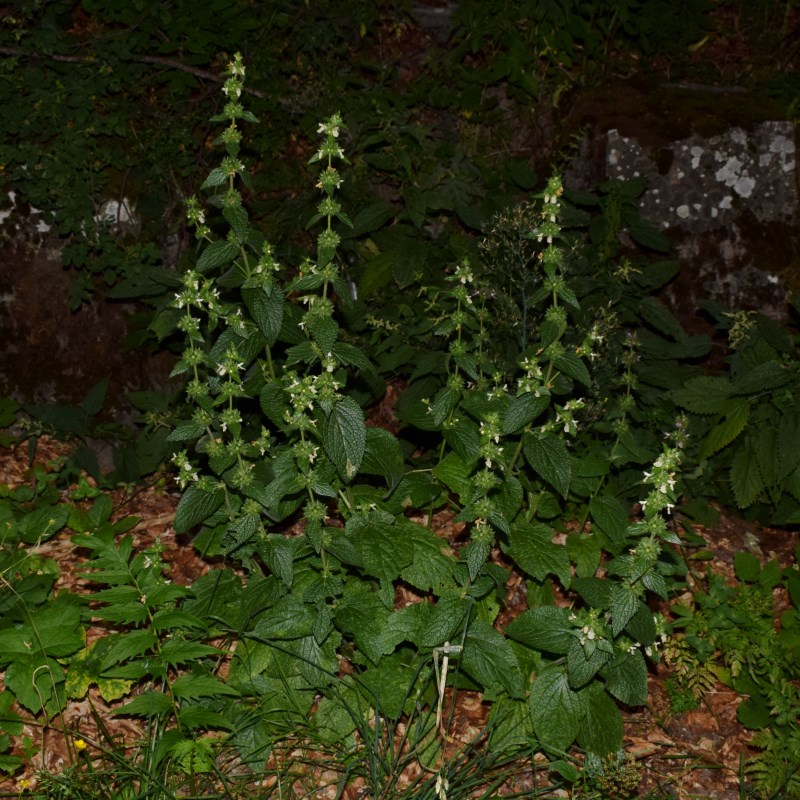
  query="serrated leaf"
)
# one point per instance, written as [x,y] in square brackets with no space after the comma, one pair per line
[624,604]
[127,645]
[454,473]
[550,459]
[149,704]
[344,436]
[610,516]
[216,177]
[324,331]
[489,658]
[384,549]
[193,687]
[266,309]
[703,395]
[523,410]
[196,506]
[446,620]
[556,710]
[430,567]
[546,628]
[642,626]
[362,615]
[532,548]
[215,255]
[475,555]
[572,365]
[763,378]
[626,678]
[178,651]
[596,592]
[737,414]
[236,217]
[372,217]
[653,311]
[289,618]
[382,456]
[582,666]
[444,402]
[464,437]
[648,236]
[601,727]
[746,479]
[189,431]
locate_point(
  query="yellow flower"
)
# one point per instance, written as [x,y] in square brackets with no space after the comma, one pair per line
[80,745]
[23,784]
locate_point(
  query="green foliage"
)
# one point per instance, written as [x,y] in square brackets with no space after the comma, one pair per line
[272,437]
[729,633]
[749,418]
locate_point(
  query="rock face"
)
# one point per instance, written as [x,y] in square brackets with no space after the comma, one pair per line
[727,199]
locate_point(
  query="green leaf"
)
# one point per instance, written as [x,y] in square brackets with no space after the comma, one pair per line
[584,663]
[546,628]
[489,658]
[463,436]
[194,686]
[93,401]
[58,631]
[362,615]
[747,567]
[626,678]
[189,431]
[763,378]
[647,235]
[385,548]
[236,217]
[523,410]
[289,618]
[624,604]
[571,365]
[653,311]
[178,651]
[430,568]
[454,473]
[216,254]
[585,552]
[754,713]
[596,592]
[371,218]
[149,704]
[446,620]
[266,310]
[324,331]
[196,506]
[610,516]
[601,727]
[737,414]
[532,548]
[642,626]
[382,456]
[746,479]
[444,402]
[344,437]
[550,459]
[703,395]
[556,710]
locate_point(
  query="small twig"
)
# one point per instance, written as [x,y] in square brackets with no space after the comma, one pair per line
[158,60]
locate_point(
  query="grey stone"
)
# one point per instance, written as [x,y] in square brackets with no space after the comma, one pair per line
[728,202]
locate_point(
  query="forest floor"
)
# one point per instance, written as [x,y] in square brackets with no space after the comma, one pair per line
[697,754]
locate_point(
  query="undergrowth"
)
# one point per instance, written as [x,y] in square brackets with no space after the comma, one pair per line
[540,383]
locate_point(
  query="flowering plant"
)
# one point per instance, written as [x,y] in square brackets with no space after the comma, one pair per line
[280,471]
